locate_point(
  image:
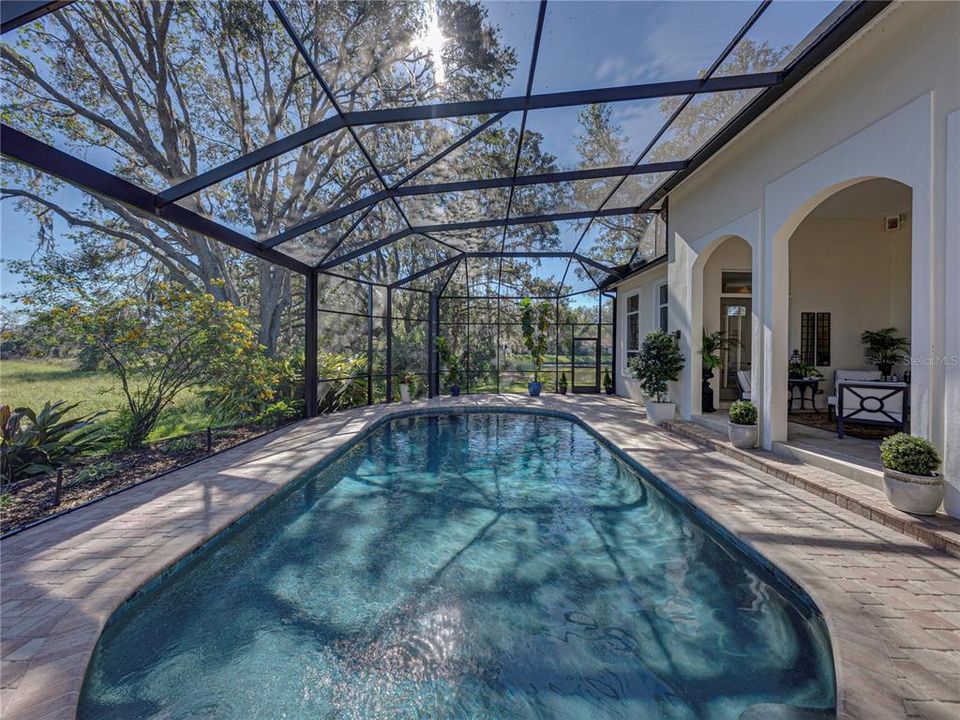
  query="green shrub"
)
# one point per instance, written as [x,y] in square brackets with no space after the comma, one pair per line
[171,339]
[449,358]
[278,413]
[909,454]
[250,387]
[743,412]
[534,324]
[182,445]
[348,392]
[94,473]
[36,443]
[658,362]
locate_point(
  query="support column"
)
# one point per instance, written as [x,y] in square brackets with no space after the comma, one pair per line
[556,355]
[310,345]
[433,365]
[369,344]
[613,340]
[498,342]
[389,321]
[951,324]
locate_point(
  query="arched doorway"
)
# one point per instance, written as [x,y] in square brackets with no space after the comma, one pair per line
[725,281]
[848,271]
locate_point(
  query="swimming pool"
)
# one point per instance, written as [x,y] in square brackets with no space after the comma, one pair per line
[473,565]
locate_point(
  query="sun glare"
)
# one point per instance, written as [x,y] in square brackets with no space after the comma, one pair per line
[431,41]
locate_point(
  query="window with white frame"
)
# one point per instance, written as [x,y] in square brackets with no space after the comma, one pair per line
[662,296]
[633,327]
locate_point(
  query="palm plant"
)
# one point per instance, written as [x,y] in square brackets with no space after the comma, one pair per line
[712,345]
[884,348]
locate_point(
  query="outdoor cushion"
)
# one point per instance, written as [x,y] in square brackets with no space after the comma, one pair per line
[851,375]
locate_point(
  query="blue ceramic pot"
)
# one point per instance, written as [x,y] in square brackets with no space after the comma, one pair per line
[454,391]
[535,388]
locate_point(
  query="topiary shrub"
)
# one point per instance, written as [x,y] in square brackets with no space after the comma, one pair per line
[743,412]
[909,454]
[658,362]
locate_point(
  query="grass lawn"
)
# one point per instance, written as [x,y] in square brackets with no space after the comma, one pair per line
[33,382]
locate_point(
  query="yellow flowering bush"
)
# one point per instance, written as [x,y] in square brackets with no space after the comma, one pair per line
[169,342]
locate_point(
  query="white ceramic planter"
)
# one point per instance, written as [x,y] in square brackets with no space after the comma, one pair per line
[743,436]
[914,494]
[659,413]
[404,393]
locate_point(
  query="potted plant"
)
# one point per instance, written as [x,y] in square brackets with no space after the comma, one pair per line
[534,323]
[884,348]
[562,385]
[742,428]
[802,371]
[406,381]
[452,361]
[608,386]
[799,370]
[910,479]
[658,362]
[711,345]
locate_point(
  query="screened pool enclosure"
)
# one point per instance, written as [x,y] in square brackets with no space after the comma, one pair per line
[422,165]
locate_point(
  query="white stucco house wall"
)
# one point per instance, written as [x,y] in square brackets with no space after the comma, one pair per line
[842,199]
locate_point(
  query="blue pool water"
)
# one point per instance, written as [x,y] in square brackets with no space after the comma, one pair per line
[464,566]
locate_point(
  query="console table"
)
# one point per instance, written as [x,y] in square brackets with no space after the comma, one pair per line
[872,402]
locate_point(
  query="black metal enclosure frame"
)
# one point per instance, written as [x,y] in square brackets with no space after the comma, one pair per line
[840,26]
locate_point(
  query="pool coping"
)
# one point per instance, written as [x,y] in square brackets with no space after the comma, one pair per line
[63,647]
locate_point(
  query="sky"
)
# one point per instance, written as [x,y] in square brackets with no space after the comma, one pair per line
[584,45]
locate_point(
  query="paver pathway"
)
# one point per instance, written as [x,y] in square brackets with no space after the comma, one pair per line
[892,604]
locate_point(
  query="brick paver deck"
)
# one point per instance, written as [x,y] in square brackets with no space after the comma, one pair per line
[938,530]
[891,603]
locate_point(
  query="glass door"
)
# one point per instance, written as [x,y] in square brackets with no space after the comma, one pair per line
[586,364]
[735,322]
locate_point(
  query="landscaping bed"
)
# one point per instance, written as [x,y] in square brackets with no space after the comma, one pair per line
[34,499]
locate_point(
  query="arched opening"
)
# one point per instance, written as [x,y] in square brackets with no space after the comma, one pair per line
[724,336]
[848,273]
